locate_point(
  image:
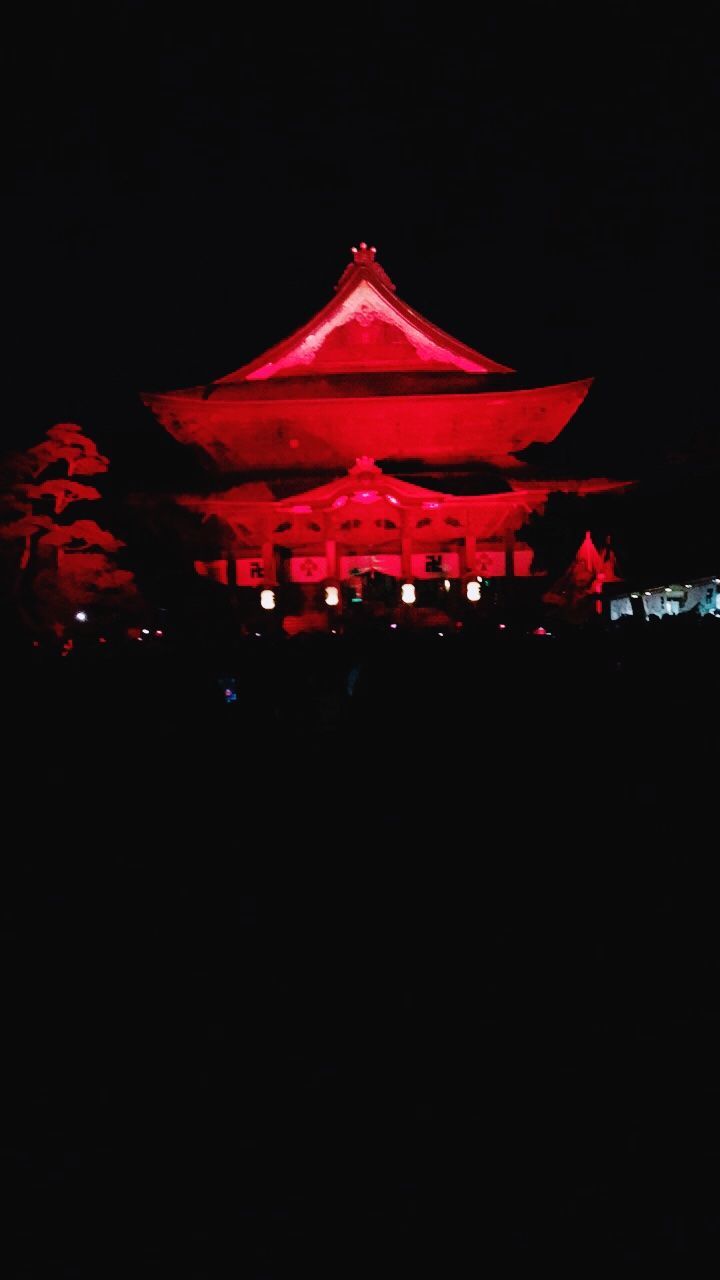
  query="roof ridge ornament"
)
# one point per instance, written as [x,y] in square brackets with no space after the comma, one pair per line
[364,256]
[364,465]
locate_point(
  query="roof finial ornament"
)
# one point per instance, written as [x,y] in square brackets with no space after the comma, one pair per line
[364,256]
[363,465]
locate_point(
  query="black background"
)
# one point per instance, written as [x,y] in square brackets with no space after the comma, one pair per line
[186,182]
[440,992]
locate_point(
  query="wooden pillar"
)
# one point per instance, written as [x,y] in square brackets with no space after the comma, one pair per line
[331,558]
[406,554]
[269,564]
[470,553]
[510,553]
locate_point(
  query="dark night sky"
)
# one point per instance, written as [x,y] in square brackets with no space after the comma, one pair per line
[475,1014]
[186,183]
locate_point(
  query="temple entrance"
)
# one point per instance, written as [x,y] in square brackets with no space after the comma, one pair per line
[377,592]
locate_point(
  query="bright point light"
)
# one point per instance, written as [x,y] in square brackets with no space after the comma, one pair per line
[81,616]
[472,592]
[407,593]
[393,626]
[332,597]
[446,584]
[145,631]
[267,598]
[441,633]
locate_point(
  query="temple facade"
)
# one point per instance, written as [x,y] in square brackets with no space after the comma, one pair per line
[342,448]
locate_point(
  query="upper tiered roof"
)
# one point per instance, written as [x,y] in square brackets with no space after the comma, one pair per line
[366,375]
[365,328]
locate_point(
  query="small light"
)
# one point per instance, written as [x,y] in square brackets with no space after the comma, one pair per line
[634,595]
[539,631]
[688,586]
[441,633]
[145,631]
[267,599]
[102,640]
[81,615]
[332,597]
[257,633]
[472,592]
[407,593]
[501,626]
[648,593]
[393,626]
[158,633]
[446,584]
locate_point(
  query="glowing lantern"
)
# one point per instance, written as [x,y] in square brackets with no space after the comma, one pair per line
[267,598]
[332,597]
[81,615]
[407,593]
[472,592]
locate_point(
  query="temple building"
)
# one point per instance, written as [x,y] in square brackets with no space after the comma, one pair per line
[342,450]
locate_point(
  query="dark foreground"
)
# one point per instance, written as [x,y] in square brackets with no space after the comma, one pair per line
[403,963]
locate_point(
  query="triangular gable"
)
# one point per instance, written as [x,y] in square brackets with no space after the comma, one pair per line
[362,483]
[365,328]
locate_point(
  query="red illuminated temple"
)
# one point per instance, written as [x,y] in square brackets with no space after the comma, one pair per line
[383,406]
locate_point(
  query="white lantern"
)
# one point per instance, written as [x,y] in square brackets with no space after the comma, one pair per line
[407,593]
[332,597]
[267,598]
[472,591]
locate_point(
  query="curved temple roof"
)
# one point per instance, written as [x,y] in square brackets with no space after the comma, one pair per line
[365,328]
[366,375]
